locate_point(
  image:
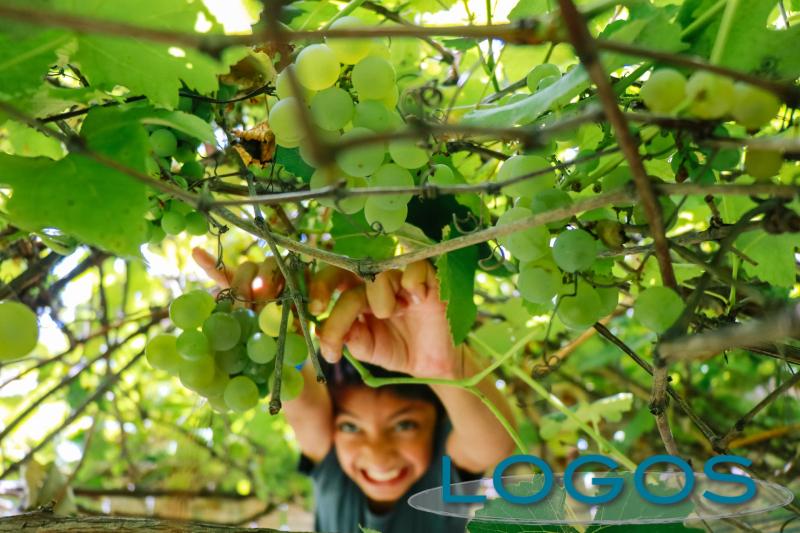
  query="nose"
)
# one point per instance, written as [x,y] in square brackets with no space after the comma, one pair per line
[379,452]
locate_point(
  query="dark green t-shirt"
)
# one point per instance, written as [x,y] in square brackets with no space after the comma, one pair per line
[341,507]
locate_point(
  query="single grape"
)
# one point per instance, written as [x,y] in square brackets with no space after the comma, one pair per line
[19,330]
[407,154]
[581,310]
[196,224]
[157,234]
[163,142]
[241,394]
[373,78]
[317,67]
[538,285]
[664,90]
[295,350]
[306,150]
[284,120]
[348,51]
[363,159]
[179,207]
[540,72]
[528,244]
[375,116]
[324,177]
[762,164]
[248,320]
[162,353]
[291,383]
[261,348]
[260,374]
[332,108]
[611,233]
[389,220]
[657,308]
[186,153]
[204,300]
[753,107]
[574,250]
[232,361]
[223,306]
[188,311]
[442,175]
[711,94]
[546,82]
[192,170]
[173,223]
[223,331]
[218,404]
[609,298]
[549,200]
[197,373]
[283,86]
[521,165]
[192,345]
[218,384]
[391,175]
[269,320]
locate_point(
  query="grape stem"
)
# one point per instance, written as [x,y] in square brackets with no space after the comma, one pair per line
[724,31]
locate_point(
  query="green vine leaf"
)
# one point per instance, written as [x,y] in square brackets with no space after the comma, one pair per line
[456,273]
[25,59]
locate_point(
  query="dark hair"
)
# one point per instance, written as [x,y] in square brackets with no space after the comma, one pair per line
[343,374]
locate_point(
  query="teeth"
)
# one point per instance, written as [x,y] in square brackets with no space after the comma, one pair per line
[383,475]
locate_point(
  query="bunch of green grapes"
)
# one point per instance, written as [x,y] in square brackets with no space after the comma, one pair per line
[173,218]
[19,330]
[226,355]
[350,93]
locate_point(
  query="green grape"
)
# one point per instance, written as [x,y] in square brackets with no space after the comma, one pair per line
[284,120]
[162,353]
[269,320]
[192,170]
[203,300]
[582,310]
[163,142]
[574,250]
[332,108]
[261,348]
[391,100]
[711,94]
[218,404]
[361,160]
[196,224]
[540,72]
[260,374]
[223,306]
[762,164]
[348,51]
[180,207]
[609,298]
[307,153]
[407,154]
[753,107]
[528,244]
[283,86]
[197,373]
[538,285]
[223,331]
[546,82]
[348,204]
[291,383]
[375,116]
[241,394]
[232,361]
[391,175]
[173,223]
[19,330]
[192,344]
[295,350]
[390,220]
[520,165]
[549,200]
[664,91]
[657,308]
[373,78]
[442,175]
[317,67]
[247,319]
[157,234]
[218,384]
[186,153]
[189,311]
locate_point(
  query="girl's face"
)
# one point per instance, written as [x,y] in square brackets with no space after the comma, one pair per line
[383,441]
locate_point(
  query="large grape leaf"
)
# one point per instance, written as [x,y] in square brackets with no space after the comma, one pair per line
[154,69]
[773,254]
[352,236]
[25,60]
[751,46]
[81,197]
[456,272]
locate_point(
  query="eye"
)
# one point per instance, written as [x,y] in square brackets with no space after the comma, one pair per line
[406,425]
[347,427]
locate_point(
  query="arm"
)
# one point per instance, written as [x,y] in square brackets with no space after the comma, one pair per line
[311,417]
[478,441]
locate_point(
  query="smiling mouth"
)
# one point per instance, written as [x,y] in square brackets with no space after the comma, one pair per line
[387,477]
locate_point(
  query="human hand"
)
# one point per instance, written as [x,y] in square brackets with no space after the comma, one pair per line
[397,322]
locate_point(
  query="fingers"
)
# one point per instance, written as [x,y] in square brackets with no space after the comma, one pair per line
[382,293]
[269,281]
[350,305]
[208,263]
[242,283]
[324,282]
[418,279]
